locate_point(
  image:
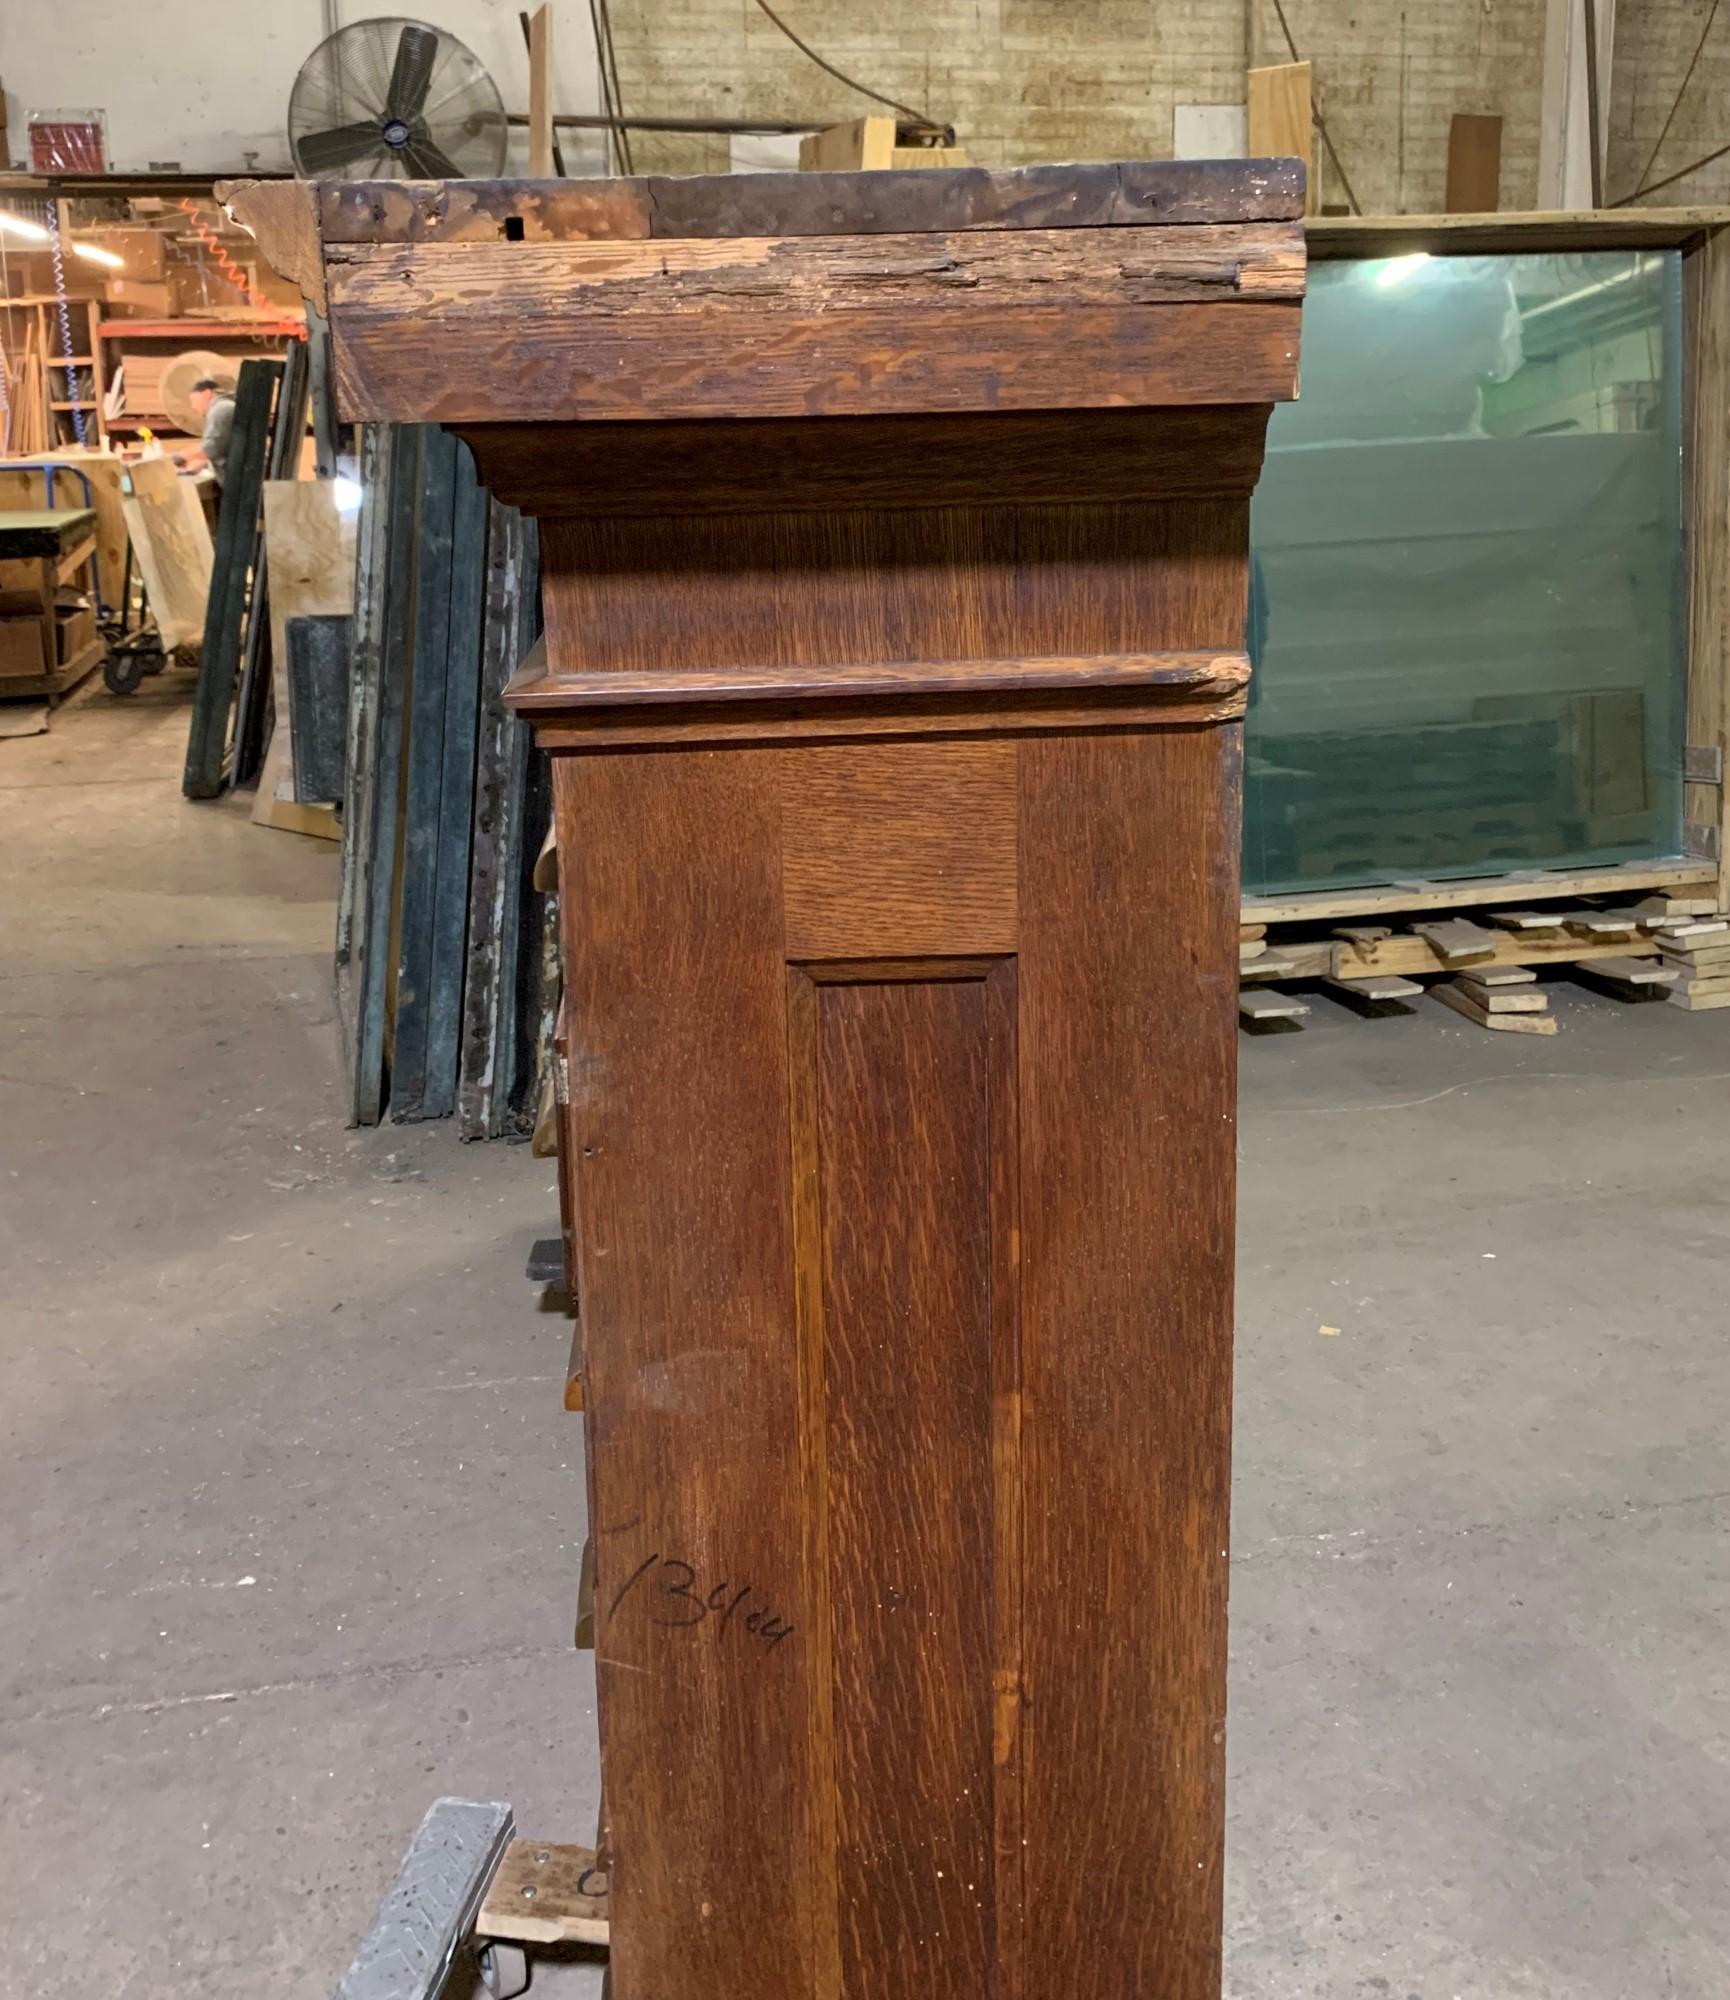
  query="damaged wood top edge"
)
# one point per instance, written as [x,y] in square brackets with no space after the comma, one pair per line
[283,218]
[1181,675]
[1123,194]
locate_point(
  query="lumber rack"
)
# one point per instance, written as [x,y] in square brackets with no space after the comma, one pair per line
[468,1884]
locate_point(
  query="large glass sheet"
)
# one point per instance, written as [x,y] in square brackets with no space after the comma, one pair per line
[1467,603]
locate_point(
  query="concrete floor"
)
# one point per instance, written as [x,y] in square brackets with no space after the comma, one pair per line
[293,1511]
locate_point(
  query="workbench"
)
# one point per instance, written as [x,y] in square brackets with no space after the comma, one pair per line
[894,545]
[45,647]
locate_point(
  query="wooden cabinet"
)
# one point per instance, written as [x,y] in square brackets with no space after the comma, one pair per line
[894,537]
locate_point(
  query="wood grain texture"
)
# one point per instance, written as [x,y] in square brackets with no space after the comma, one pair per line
[905,1133]
[885,679]
[815,204]
[951,584]
[899,849]
[1127,1089]
[484,359]
[742,278]
[670,899]
[909,462]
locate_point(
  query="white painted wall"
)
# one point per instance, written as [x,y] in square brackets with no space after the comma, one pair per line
[203,83]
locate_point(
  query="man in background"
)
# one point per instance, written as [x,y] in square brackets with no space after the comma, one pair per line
[215,406]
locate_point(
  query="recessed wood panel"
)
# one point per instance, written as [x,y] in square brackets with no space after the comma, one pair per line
[903,1095]
[899,849]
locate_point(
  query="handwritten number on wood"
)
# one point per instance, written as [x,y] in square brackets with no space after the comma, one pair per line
[680,1602]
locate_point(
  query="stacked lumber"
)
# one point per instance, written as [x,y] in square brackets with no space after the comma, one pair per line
[1697,950]
[1507,998]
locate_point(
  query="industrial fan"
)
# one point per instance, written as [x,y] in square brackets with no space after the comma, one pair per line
[395,99]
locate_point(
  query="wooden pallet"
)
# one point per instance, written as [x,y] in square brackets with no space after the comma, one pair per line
[545,1894]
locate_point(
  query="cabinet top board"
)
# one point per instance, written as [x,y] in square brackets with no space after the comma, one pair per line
[939,291]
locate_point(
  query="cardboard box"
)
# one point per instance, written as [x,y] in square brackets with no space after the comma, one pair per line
[21,648]
[141,298]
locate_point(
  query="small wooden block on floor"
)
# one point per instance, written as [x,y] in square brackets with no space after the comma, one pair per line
[1628,971]
[1379,986]
[546,1895]
[1269,1006]
[1269,965]
[1507,999]
[1456,940]
[1500,975]
[1455,996]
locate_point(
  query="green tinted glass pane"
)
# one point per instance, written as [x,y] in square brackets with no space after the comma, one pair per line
[1467,602]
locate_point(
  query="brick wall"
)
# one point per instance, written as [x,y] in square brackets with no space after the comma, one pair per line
[1026,80]
[1654,41]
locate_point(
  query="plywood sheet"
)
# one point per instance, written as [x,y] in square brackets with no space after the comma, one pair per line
[309,553]
[171,540]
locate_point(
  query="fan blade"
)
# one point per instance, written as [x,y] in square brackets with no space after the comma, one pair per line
[429,163]
[330,151]
[411,74]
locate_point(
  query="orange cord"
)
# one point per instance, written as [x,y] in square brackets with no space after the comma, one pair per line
[228,267]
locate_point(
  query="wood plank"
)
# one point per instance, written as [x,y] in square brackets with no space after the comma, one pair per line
[310,549]
[579,367]
[616,470]
[1489,976]
[1474,179]
[1281,120]
[545,1894]
[1696,1003]
[1127,1387]
[1636,972]
[1484,893]
[1408,956]
[1507,999]
[671,907]
[1377,986]
[765,280]
[1106,195]
[1256,1003]
[541,92]
[171,544]
[1456,941]
[1451,995]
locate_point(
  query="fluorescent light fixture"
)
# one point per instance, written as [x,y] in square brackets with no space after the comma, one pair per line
[15,225]
[346,493]
[93,253]
[1396,270]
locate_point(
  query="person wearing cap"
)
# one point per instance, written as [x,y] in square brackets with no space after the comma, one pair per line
[215,404]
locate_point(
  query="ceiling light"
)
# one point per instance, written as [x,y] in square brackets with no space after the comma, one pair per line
[93,254]
[32,232]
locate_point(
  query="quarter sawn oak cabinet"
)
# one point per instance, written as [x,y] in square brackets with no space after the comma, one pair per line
[894,532]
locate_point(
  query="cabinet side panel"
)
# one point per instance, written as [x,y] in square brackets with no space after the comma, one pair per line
[1128,1052]
[903,1078]
[669,877]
